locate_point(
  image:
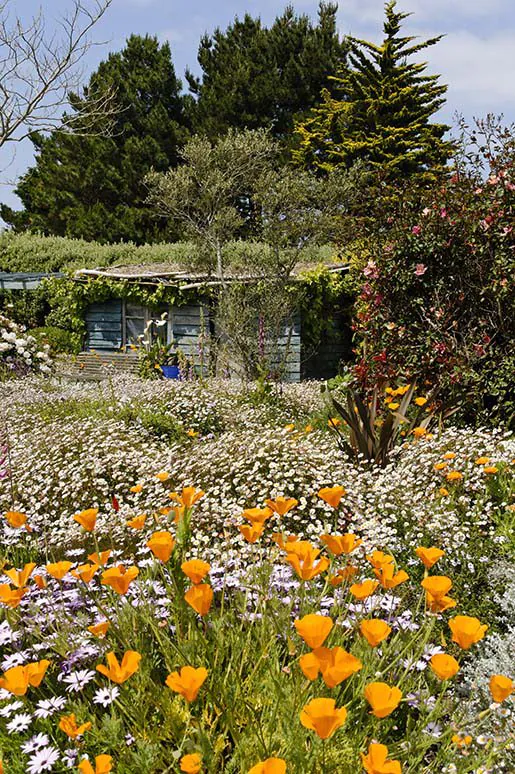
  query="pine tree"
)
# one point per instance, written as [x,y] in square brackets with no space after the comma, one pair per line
[258,77]
[380,110]
[92,186]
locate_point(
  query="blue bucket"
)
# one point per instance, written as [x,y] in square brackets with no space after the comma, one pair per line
[171,372]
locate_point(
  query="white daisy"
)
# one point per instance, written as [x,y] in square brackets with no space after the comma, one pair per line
[78,680]
[19,723]
[8,710]
[35,743]
[47,707]
[106,696]
[43,760]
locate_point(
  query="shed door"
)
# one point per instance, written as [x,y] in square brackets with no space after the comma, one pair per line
[104,325]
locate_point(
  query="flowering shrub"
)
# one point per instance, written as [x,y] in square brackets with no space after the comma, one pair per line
[20,353]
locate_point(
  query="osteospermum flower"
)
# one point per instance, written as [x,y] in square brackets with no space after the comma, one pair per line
[119,578]
[444,666]
[187,682]
[374,631]
[500,687]
[383,698]
[199,597]
[161,544]
[314,629]
[375,762]
[196,570]
[332,495]
[68,724]
[87,519]
[429,556]
[120,672]
[466,630]
[281,505]
[191,764]
[341,544]
[270,766]
[43,760]
[323,717]
[103,765]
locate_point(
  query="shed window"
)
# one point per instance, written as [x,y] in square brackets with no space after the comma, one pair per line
[136,319]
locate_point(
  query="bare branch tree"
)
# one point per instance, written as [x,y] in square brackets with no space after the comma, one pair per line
[39,71]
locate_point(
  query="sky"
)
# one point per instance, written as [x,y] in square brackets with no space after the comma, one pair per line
[476,57]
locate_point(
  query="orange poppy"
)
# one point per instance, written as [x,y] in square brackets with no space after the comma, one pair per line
[314,629]
[39,581]
[120,672]
[163,476]
[191,764]
[17,679]
[335,664]
[196,570]
[466,630]
[16,519]
[187,682]
[383,698]
[388,578]
[161,544]
[257,515]
[100,558]
[251,532]
[444,666]
[200,597]
[58,569]
[332,495]
[323,717]
[270,766]
[346,573]
[68,724]
[364,589]
[136,489]
[301,555]
[19,578]
[119,578]
[454,475]
[375,631]
[189,496]
[87,519]
[375,761]
[138,522]
[85,572]
[500,687]
[379,559]
[103,765]
[100,629]
[281,505]
[429,556]
[11,597]
[341,544]
[437,585]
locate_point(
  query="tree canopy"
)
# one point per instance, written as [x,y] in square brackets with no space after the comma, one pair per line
[254,76]
[92,186]
[380,110]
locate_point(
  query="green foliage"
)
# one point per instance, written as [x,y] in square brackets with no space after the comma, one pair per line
[92,186]
[436,301]
[58,340]
[254,76]
[379,110]
[26,307]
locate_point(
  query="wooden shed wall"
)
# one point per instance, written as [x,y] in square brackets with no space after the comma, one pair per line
[104,325]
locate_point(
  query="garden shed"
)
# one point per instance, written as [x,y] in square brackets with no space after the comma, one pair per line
[182,304]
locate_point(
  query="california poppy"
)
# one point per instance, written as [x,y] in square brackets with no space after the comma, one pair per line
[16,519]
[364,589]
[251,532]
[444,666]
[196,570]
[189,496]
[19,578]
[100,558]
[257,515]
[281,505]
[437,585]
[466,630]
[138,522]
[383,698]
[119,578]
[85,572]
[120,672]
[68,724]
[136,489]
[270,766]
[341,544]
[429,556]
[11,597]
[161,544]
[87,519]
[379,559]
[199,597]
[187,682]
[388,578]
[58,569]
[323,717]
[336,665]
[163,476]
[301,556]
[500,687]
[191,764]
[314,629]
[103,765]
[374,631]
[375,761]
[332,495]
[100,629]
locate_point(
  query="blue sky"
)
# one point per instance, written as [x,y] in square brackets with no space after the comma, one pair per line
[476,58]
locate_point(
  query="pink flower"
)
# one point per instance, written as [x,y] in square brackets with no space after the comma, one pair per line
[416,230]
[420,269]
[443,212]
[370,270]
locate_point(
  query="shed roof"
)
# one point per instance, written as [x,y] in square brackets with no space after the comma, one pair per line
[24,280]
